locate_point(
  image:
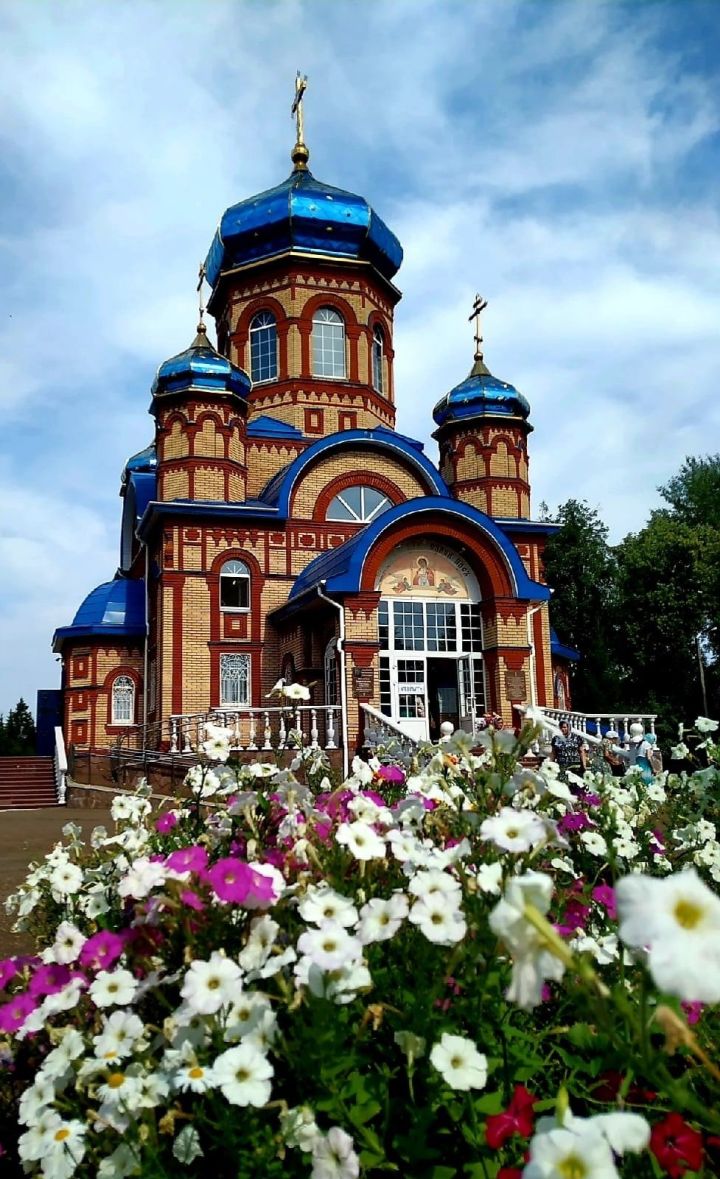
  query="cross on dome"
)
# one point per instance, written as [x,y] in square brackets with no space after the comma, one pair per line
[299,154]
[478,307]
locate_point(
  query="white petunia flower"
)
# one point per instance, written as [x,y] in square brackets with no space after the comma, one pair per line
[361,841]
[217,745]
[489,878]
[113,988]
[57,1062]
[299,1128]
[367,811]
[533,964]
[261,939]
[64,1149]
[704,724]
[678,920]
[435,883]
[380,919]
[594,843]
[243,1075]
[295,692]
[330,946]
[35,1101]
[334,1156]
[120,1032]
[247,1013]
[440,920]
[129,806]
[321,903]
[210,985]
[459,1062]
[68,943]
[65,880]
[514,831]
[584,1147]
[32,1145]
[143,876]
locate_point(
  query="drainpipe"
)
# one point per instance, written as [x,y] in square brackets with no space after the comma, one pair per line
[147,644]
[343,686]
[533,665]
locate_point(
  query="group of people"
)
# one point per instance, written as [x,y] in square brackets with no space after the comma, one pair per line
[572,752]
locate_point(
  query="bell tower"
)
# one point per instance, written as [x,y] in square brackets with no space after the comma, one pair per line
[482,435]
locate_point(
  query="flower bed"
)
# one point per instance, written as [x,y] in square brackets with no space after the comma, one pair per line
[455,967]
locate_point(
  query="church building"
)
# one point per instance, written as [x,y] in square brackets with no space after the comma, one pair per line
[279,526]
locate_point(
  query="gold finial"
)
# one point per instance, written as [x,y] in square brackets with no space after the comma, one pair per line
[478,307]
[299,154]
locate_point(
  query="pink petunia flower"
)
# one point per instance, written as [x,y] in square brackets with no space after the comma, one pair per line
[166,822]
[14,1013]
[234,881]
[102,950]
[605,896]
[188,859]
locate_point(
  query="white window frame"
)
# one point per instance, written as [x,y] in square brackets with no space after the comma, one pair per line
[269,322]
[235,568]
[240,660]
[378,356]
[332,686]
[123,689]
[365,516]
[329,345]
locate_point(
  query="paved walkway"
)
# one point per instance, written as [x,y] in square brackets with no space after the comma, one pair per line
[27,836]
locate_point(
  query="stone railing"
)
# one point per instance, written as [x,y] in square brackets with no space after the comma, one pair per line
[306,726]
[380,730]
[592,725]
[60,766]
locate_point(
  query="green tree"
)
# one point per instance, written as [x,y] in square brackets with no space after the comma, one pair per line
[581,569]
[17,733]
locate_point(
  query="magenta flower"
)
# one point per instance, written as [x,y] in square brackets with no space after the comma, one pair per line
[192,901]
[391,774]
[657,843]
[236,882]
[605,896]
[577,821]
[166,822]
[188,859]
[574,918]
[102,950]
[14,1013]
[8,970]
[51,978]
[693,1011]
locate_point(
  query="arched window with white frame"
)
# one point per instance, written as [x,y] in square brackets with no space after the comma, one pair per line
[328,343]
[234,586]
[358,505]
[263,347]
[378,354]
[123,700]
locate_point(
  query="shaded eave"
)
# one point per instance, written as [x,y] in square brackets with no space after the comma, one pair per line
[100,631]
[157,511]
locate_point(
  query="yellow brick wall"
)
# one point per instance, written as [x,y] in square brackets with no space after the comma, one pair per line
[209,483]
[173,485]
[361,460]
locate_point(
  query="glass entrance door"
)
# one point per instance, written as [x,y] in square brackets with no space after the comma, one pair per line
[443,696]
[409,688]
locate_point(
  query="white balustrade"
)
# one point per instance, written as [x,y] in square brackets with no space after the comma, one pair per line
[257,729]
[380,730]
[619,722]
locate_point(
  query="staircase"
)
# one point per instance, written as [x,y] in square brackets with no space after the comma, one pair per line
[27,783]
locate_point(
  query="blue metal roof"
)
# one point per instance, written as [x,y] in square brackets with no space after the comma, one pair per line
[480,393]
[201,366]
[561,651]
[116,608]
[305,215]
[279,490]
[144,460]
[266,426]
[341,568]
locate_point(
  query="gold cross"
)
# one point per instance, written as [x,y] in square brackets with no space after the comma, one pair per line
[297,107]
[478,307]
[202,275]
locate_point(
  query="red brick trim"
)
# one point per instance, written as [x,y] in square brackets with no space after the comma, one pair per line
[354,479]
[487,565]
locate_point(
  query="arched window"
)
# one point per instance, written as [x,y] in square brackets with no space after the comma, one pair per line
[328,340]
[263,347]
[123,700]
[234,586]
[378,350]
[358,505]
[331,673]
[234,679]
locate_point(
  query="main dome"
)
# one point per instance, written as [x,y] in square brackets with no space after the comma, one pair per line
[305,215]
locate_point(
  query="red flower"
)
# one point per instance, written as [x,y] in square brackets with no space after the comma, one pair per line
[676,1146]
[517,1119]
[509,1173]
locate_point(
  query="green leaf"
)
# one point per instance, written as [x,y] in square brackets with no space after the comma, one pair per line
[186,1146]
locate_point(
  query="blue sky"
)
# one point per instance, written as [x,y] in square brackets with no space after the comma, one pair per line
[561,157]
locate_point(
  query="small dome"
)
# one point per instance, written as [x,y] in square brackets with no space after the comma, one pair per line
[144,461]
[201,366]
[480,393]
[306,215]
[115,608]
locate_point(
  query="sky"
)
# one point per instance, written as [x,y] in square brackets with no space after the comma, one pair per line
[561,157]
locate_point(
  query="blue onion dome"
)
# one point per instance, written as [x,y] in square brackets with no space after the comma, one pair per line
[307,216]
[144,462]
[201,367]
[481,394]
[114,608]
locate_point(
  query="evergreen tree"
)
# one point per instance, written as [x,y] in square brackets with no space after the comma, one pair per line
[17,734]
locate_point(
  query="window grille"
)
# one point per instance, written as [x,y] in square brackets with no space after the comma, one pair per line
[358,505]
[123,700]
[328,340]
[263,347]
[234,679]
